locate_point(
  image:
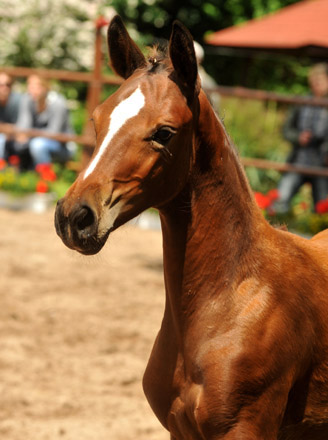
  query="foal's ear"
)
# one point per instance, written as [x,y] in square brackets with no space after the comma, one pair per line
[124,54]
[183,57]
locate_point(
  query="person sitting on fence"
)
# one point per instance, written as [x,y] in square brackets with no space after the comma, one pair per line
[306,128]
[9,104]
[42,109]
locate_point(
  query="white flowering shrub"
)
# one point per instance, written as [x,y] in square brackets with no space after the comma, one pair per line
[56,34]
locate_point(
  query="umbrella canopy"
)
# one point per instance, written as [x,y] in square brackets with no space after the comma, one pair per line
[300,29]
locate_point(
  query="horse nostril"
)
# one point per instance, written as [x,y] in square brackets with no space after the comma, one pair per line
[83,218]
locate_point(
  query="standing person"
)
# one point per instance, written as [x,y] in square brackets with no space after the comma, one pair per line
[307,129]
[207,81]
[9,104]
[46,110]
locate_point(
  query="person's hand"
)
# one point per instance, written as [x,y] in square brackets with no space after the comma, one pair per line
[21,138]
[304,138]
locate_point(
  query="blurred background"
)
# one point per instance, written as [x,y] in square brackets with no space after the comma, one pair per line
[61,36]
[69,36]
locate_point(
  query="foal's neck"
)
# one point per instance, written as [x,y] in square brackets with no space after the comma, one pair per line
[209,228]
[222,203]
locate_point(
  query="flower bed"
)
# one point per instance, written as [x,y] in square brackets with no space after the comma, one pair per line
[301,217]
[45,184]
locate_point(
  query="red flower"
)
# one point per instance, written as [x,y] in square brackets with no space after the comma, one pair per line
[41,187]
[322,207]
[42,167]
[3,164]
[46,172]
[273,194]
[49,175]
[263,201]
[101,22]
[14,160]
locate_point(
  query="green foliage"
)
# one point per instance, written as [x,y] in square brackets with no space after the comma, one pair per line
[78,116]
[43,33]
[64,36]
[275,73]
[65,178]
[255,128]
[16,183]
[301,217]
[55,179]
[153,20]
[155,17]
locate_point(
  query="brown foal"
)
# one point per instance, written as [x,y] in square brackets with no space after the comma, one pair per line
[242,352]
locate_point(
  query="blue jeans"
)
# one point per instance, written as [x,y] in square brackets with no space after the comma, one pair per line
[291,183]
[43,150]
[3,139]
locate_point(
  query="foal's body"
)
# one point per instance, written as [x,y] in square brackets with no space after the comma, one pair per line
[242,352]
[246,314]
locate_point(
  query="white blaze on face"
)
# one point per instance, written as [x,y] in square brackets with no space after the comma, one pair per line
[125,110]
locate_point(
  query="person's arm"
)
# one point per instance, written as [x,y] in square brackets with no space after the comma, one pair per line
[324,148]
[58,116]
[25,117]
[290,130]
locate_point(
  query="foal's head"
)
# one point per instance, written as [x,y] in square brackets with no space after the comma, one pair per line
[144,141]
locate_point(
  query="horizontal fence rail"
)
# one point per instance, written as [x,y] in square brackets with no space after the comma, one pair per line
[12,130]
[238,92]
[263,95]
[284,167]
[62,75]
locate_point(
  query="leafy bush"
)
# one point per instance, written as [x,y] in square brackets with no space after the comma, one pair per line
[45,178]
[43,33]
[255,129]
[301,217]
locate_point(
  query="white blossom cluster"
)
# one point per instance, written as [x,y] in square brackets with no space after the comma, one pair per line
[56,34]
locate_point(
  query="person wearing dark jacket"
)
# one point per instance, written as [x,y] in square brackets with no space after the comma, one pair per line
[306,127]
[9,104]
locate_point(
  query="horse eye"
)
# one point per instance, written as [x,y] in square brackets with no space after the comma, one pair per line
[163,135]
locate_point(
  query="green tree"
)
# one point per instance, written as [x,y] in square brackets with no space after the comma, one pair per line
[44,33]
[155,17]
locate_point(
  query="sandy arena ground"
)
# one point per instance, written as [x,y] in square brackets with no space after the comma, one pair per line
[76,333]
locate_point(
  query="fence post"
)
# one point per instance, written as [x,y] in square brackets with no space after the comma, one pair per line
[94,89]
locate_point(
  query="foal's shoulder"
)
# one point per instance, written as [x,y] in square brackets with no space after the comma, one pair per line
[321,238]
[318,246]
[300,249]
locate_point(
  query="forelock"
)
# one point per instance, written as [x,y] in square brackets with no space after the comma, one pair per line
[158,58]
